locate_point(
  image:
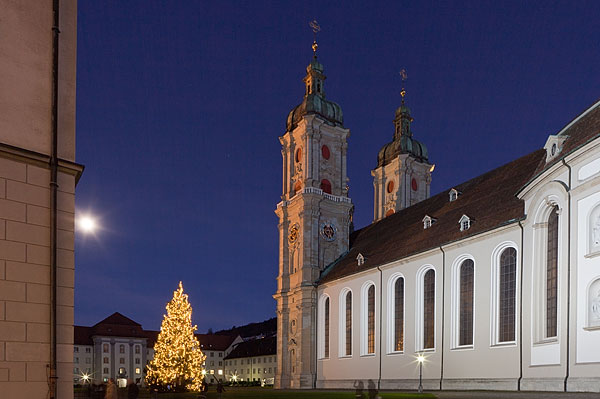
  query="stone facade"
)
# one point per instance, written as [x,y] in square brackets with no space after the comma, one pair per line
[25,148]
[314,226]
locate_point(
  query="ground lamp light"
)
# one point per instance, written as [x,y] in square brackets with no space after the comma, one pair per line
[420,359]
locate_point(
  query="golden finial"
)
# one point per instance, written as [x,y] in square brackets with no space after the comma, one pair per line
[316,28]
[404,77]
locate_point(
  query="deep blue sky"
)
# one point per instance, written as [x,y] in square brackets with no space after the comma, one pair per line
[180,105]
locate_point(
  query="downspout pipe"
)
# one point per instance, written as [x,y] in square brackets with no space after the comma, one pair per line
[521,311]
[53,201]
[568,277]
[443,315]
[380,324]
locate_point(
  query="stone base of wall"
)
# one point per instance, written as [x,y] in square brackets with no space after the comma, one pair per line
[479,384]
[583,385]
[543,384]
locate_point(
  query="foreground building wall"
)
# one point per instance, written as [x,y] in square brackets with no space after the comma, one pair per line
[26,45]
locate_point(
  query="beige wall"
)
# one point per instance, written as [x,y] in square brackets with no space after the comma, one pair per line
[25,129]
[26,70]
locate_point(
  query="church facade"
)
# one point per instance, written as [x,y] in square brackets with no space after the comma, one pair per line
[494,282]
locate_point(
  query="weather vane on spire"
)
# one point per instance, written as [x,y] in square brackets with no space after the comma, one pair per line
[404,77]
[316,28]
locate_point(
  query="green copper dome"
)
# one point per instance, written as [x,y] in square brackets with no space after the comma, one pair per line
[403,142]
[314,101]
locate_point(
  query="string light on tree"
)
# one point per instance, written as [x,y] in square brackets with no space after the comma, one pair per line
[178,358]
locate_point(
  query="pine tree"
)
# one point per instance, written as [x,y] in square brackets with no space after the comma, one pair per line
[177,358]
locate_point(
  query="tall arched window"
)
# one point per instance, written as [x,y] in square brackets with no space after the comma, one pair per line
[348,324]
[552,275]
[326,338]
[323,323]
[507,292]
[371,319]
[465,336]
[429,309]
[399,315]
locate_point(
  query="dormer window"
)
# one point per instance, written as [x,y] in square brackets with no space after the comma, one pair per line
[554,146]
[360,259]
[428,221]
[453,194]
[465,223]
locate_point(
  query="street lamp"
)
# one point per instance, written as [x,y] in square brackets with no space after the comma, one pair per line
[420,359]
[87,224]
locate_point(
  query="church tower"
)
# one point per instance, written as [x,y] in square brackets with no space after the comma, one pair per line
[314,223]
[403,173]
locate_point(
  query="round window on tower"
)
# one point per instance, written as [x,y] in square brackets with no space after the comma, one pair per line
[326,186]
[325,152]
[414,185]
[299,154]
[390,186]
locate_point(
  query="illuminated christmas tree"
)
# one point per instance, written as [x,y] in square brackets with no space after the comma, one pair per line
[177,362]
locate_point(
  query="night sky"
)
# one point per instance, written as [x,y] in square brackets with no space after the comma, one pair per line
[180,105]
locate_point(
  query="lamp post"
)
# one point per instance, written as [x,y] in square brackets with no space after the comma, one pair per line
[420,359]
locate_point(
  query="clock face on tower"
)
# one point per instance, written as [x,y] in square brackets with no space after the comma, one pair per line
[294,233]
[328,231]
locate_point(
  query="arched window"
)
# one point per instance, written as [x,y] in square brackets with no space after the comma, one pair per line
[552,274]
[326,186]
[323,327]
[465,336]
[345,329]
[371,319]
[326,338]
[507,292]
[367,319]
[399,315]
[429,309]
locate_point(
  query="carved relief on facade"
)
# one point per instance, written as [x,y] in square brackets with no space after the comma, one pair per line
[594,304]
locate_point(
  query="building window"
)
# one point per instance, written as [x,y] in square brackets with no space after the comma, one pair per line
[326,327]
[76,370]
[326,186]
[453,194]
[466,303]
[323,333]
[399,315]
[465,223]
[122,360]
[76,360]
[76,349]
[88,360]
[428,221]
[105,348]
[138,370]
[137,360]
[552,275]
[105,360]
[220,354]
[105,370]
[507,291]
[425,312]
[88,350]
[345,328]
[121,348]
[367,319]
[137,349]
[371,319]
